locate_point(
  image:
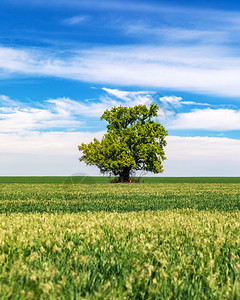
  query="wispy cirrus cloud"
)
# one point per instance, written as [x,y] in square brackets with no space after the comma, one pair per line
[131,97]
[200,69]
[122,5]
[76,20]
[176,35]
[134,5]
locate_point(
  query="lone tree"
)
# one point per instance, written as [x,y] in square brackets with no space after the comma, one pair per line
[133,142]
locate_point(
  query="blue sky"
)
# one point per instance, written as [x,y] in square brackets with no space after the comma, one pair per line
[62,63]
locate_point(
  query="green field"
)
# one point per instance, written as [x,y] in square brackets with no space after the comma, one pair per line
[161,240]
[74,198]
[105,179]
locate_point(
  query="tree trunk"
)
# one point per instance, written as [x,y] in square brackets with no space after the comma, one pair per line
[124,177]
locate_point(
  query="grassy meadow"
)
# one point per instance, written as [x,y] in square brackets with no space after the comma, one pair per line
[172,239]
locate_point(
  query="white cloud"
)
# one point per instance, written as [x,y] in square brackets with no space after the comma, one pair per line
[84,108]
[95,5]
[71,115]
[175,34]
[5,100]
[26,152]
[202,156]
[61,113]
[131,97]
[117,93]
[75,20]
[14,118]
[175,101]
[56,153]
[208,119]
[44,153]
[44,165]
[52,114]
[46,143]
[195,103]
[136,6]
[205,69]
[146,97]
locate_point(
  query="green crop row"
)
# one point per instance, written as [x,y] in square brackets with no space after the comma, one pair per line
[72,198]
[178,254]
[106,179]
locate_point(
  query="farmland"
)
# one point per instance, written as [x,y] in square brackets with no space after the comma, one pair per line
[74,198]
[172,240]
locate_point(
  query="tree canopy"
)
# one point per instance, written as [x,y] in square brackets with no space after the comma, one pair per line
[133,142]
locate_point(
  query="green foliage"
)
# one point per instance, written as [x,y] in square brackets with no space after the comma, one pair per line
[133,142]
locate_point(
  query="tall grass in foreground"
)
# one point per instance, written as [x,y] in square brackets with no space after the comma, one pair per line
[111,241]
[178,254]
